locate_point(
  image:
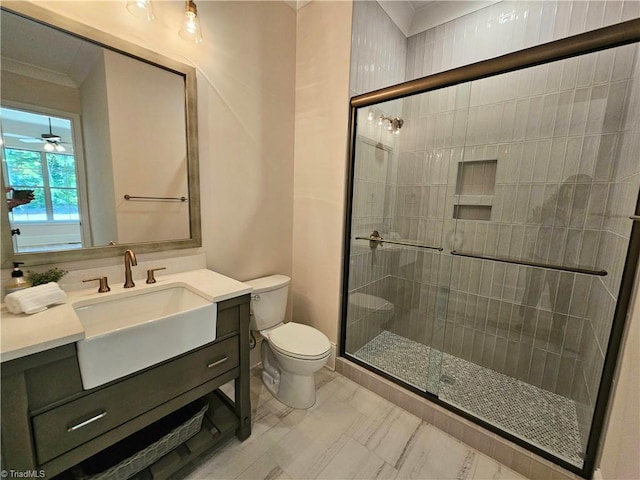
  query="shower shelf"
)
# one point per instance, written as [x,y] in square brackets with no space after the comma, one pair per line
[397,242]
[551,266]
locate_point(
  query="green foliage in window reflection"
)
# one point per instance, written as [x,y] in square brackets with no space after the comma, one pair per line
[26,170]
[62,170]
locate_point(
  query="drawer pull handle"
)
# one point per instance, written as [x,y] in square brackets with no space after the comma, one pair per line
[218,362]
[87,422]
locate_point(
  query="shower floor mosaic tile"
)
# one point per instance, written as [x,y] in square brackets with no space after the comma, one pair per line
[539,416]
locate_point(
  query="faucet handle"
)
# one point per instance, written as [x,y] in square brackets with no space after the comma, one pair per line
[104,284]
[150,277]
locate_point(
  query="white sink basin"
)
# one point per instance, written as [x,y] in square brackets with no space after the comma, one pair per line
[130,331]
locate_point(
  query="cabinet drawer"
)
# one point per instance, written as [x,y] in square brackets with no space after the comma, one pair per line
[76,422]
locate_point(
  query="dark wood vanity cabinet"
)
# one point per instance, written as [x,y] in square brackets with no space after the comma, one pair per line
[50,423]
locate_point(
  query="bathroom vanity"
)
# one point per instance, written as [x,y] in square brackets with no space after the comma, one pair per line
[50,423]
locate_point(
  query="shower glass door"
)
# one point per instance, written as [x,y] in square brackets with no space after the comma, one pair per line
[398,278]
[536,266]
[489,231]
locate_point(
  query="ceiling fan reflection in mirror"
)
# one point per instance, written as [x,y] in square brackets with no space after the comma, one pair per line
[21,130]
[50,141]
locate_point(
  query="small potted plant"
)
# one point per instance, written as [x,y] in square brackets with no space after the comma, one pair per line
[40,278]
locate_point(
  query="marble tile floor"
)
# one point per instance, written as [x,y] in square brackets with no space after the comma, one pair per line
[350,432]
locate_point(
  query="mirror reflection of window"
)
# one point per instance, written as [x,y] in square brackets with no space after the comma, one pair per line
[41,181]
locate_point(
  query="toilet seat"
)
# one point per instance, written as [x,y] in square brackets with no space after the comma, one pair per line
[299,341]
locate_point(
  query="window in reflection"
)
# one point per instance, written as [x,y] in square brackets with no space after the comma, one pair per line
[41,181]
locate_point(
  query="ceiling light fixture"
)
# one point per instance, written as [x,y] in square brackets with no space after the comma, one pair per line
[190,29]
[52,141]
[142,9]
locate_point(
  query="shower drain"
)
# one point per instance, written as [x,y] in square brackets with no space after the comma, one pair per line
[447,379]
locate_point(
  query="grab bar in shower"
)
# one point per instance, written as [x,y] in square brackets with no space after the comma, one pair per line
[131,197]
[397,242]
[551,266]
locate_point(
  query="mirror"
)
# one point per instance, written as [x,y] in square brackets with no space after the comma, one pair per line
[99,143]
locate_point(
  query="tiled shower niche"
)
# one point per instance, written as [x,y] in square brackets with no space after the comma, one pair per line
[477,177]
[475,188]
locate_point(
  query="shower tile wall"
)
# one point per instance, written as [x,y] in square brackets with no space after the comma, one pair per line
[378,53]
[551,125]
[506,27]
[620,203]
[378,49]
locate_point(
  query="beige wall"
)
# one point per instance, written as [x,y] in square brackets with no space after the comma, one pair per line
[97,142]
[148,149]
[33,91]
[622,439]
[246,88]
[246,107]
[322,91]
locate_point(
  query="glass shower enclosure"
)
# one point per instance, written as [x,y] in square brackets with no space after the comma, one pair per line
[489,226]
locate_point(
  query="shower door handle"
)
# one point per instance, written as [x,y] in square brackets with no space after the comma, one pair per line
[398,242]
[526,263]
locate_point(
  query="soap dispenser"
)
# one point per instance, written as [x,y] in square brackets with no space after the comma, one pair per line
[17,280]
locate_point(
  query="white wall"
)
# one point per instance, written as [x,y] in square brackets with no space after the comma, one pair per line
[322,91]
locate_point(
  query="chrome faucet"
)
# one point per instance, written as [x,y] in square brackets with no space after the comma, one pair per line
[129,260]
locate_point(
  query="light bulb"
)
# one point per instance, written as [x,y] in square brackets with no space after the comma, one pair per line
[141,9]
[59,148]
[49,147]
[190,29]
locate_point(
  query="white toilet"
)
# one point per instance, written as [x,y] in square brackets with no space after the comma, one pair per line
[291,352]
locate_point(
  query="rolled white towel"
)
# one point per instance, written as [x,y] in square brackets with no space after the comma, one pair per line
[35,299]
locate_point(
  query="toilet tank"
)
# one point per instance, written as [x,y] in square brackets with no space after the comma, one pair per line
[268,301]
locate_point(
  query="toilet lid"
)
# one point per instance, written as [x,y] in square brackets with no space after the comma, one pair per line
[301,341]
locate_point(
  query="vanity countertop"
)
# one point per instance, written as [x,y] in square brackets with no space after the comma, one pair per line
[22,334]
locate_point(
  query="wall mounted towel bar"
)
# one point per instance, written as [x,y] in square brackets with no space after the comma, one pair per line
[131,197]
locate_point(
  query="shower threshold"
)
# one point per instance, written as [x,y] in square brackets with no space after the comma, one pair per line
[542,418]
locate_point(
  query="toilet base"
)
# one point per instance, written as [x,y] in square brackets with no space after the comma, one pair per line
[296,390]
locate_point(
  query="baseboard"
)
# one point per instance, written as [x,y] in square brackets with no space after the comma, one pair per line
[331,363]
